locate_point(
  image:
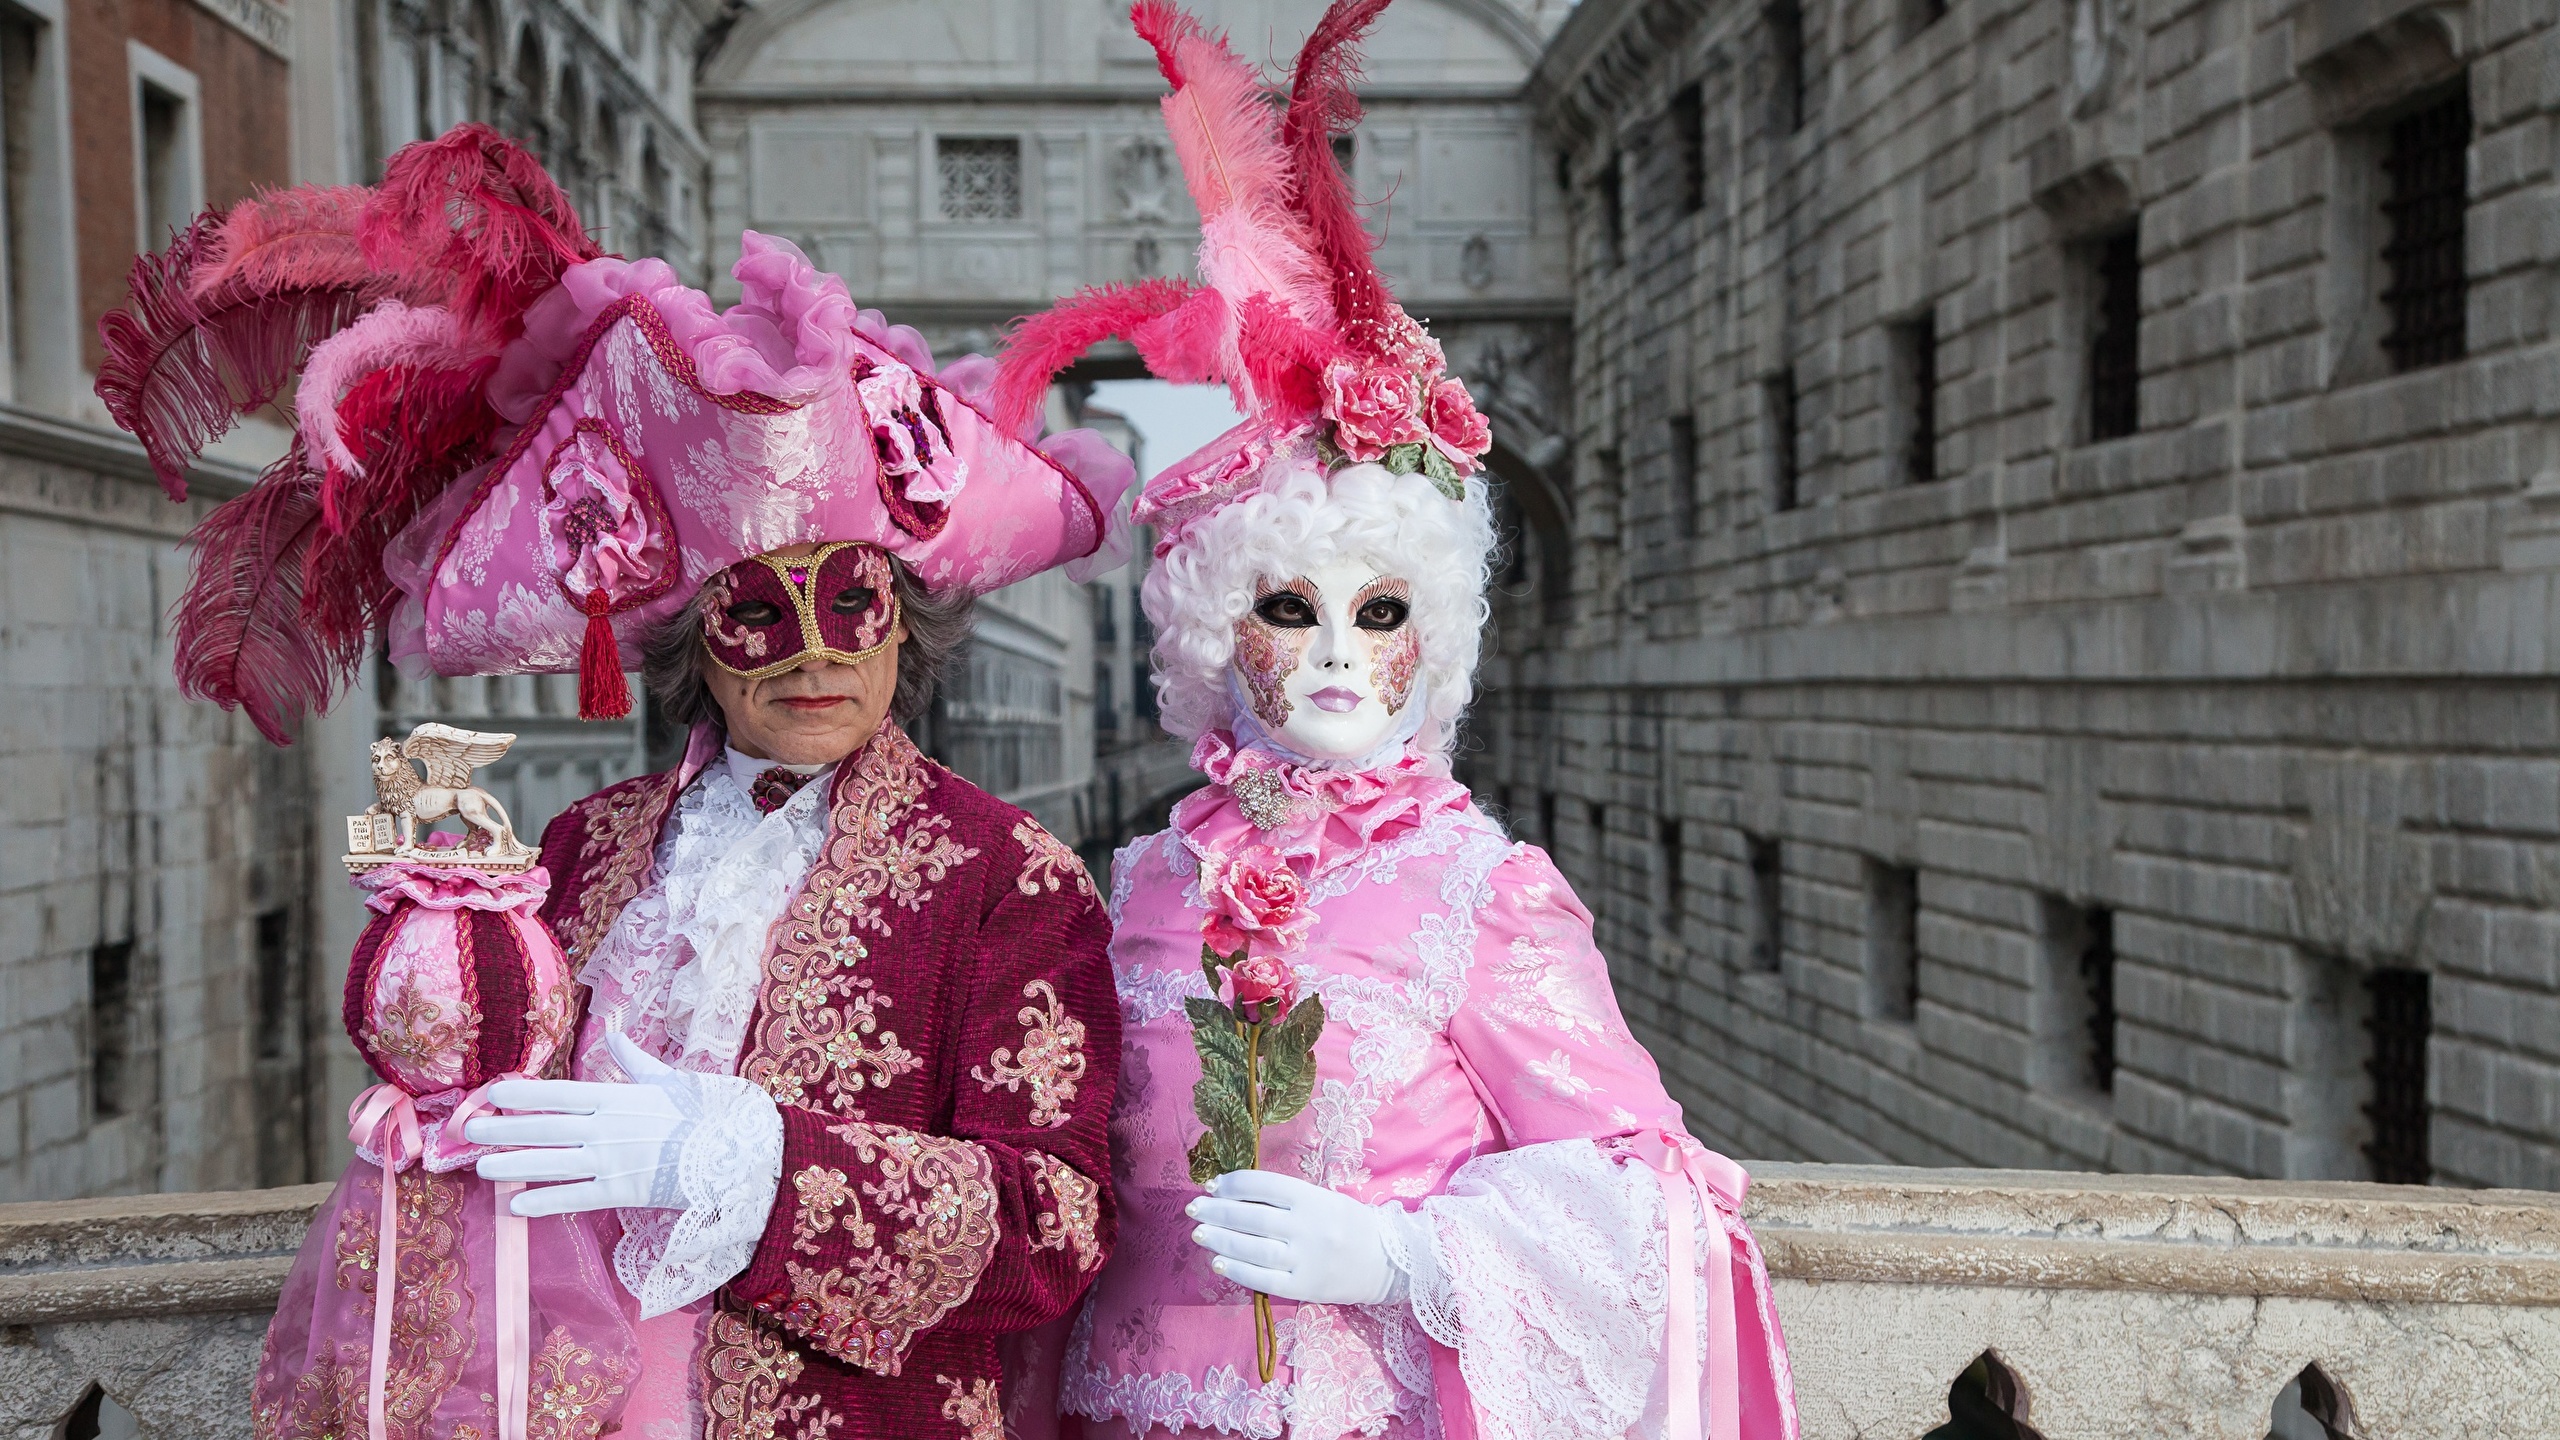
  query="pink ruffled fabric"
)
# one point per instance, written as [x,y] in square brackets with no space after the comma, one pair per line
[433,887]
[1334,814]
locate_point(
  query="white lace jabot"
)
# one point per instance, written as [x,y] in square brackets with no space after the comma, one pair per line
[685,960]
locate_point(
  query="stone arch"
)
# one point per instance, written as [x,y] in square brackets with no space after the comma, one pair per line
[1986,1402]
[2312,1407]
[1501,22]
[531,72]
[482,30]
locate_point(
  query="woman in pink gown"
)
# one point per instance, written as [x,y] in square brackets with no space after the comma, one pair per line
[1489,1219]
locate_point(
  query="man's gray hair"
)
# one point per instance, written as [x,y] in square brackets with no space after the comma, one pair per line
[674,657]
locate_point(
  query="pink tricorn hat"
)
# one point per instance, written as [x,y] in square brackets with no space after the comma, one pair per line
[516,454]
[660,441]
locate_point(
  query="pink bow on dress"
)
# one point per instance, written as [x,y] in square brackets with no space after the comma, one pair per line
[1676,1158]
[384,1120]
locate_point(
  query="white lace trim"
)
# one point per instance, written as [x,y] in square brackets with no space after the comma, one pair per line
[685,959]
[1150,995]
[1543,1267]
[1124,871]
[1225,1401]
[1355,1369]
[728,1168]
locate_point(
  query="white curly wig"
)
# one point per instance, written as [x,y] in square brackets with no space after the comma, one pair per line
[1298,521]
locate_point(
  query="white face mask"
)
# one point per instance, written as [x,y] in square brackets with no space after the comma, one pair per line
[1328,659]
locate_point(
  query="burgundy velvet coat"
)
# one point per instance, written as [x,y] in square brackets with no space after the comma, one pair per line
[938,1024]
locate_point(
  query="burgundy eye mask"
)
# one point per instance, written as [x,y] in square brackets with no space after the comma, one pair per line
[765,615]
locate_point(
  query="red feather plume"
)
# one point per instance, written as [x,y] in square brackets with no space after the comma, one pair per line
[218,322]
[1324,102]
[413,429]
[474,205]
[1039,346]
[239,631]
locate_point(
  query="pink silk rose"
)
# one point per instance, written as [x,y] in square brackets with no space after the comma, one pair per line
[1255,902]
[1264,986]
[1457,427]
[1374,408]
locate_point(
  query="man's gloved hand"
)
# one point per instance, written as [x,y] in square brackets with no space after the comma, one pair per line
[1286,1238]
[620,1141]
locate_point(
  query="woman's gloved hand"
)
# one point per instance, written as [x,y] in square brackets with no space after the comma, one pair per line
[1286,1238]
[621,1142]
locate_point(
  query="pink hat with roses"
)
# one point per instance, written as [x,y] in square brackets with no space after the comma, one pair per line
[517,454]
[1291,313]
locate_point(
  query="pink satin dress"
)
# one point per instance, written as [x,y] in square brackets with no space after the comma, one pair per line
[1474,1065]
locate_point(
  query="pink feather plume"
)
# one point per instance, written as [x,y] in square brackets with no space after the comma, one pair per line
[428,336]
[1039,346]
[240,637]
[1226,135]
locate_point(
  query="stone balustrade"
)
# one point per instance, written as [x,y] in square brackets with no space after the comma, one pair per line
[2080,1307]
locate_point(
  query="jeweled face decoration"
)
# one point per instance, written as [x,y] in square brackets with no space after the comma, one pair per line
[1327,660]
[765,615]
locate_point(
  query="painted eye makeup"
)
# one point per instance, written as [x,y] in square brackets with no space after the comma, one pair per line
[852,600]
[1286,610]
[756,613]
[1386,612]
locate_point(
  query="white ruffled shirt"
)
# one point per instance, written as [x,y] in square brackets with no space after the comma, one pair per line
[679,973]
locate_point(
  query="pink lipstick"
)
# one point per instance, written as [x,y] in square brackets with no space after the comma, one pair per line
[1334,700]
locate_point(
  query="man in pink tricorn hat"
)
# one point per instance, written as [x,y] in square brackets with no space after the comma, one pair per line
[808,953]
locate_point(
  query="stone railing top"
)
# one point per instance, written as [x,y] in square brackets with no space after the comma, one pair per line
[131,1255]
[2180,1234]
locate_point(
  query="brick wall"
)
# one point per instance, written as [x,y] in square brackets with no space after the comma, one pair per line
[244,113]
[2264,688]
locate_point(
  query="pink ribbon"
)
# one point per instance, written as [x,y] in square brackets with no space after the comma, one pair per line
[514,1286]
[384,1120]
[1675,1158]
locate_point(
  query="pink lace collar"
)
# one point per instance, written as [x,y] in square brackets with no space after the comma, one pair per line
[1305,812]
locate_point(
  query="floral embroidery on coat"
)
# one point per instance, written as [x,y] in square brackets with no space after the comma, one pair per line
[745,1369]
[810,1043]
[1051,1060]
[1047,863]
[1078,1216]
[942,1193]
[973,1408]
[823,1190]
[623,830]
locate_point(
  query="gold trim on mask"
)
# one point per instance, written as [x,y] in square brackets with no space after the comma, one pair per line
[804,599]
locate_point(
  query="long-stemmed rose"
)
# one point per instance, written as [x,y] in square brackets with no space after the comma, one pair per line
[1255,1036]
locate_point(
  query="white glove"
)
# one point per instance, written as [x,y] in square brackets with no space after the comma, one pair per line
[1295,1241]
[622,1141]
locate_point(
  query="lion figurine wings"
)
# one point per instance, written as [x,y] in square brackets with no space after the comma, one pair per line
[449,755]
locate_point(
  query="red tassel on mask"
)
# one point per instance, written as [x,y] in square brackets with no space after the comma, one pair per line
[602,692]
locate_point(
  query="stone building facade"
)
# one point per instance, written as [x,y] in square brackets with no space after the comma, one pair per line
[152,853]
[2045,658]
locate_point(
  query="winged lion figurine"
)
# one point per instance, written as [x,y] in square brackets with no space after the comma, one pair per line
[449,755]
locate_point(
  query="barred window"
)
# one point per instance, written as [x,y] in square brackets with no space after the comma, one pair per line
[1613,208]
[1778,404]
[1687,121]
[1768,903]
[1684,472]
[2115,351]
[1893,935]
[981,177]
[1785,19]
[2426,167]
[1915,383]
[2399,1023]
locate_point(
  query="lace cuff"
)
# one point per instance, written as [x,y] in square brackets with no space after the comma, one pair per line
[1543,1267]
[728,1166]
